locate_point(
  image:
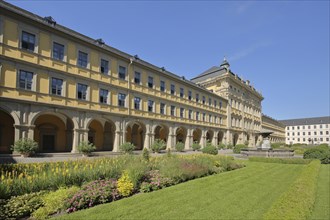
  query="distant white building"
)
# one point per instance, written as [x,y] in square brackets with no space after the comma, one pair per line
[307,130]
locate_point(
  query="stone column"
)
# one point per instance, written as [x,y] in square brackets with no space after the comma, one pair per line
[75,141]
[203,139]
[147,138]
[189,140]
[119,136]
[215,138]
[171,139]
[228,137]
[30,131]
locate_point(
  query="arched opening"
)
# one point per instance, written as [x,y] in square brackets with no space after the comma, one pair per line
[181,134]
[161,132]
[135,134]
[7,132]
[197,134]
[209,136]
[109,135]
[247,142]
[53,133]
[95,134]
[235,139]
[220,137]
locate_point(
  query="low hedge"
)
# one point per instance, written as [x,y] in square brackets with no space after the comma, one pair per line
[237,148]
[280,160]
[298,201]
[321,153]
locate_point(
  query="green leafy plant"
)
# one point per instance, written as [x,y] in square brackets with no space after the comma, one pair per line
[210,149]
[125,185]
[230,146]
[237,149]
[54,202]
[22,206]
[179,147]
[158,145]
[85,147]
[321,153]
[196,146]
[25,146]
[127,148]
[222,146]
[146,154]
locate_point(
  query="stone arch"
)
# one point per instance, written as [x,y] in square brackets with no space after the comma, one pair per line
[220,137]
[135,133]
[209,136]
[161,132]
[53,132]
[197,134]
[180,134]
[10,112]
[235,139]
[7,131]
[95,133]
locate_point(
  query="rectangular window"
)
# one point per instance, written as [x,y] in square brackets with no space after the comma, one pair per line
[197,97]
[190,114]
[314,126]
[298,139]
[298,127]
[304,139]
[121,99]
[327,139]
[137,77]
[57,85]
[162,108]
[215,103]
[82,59]
[82,91]
[150,106]
[309,127]
[215,119]
[220,104]
[326,132]
[189,95]
[137,102]
[298,133]
[181,92]
[172,110]
[321,132]
[292,133]
[162,86]
[150,82]
[58,51]
[197,116]
[210,118]
[172,89]
[181,112]
[309,133]
[320,126]
[303,133]
[122,72]
[203,100]
[210,101]
[288,134]
[104,96]
[220,120]
[315,133]
[321,139]
[203,116]
[28,41]
[292,128]
[25,80]
[104,66]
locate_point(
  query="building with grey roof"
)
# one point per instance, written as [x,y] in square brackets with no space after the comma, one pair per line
[314,130]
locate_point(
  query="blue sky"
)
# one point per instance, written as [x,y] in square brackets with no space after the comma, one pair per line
[282,47]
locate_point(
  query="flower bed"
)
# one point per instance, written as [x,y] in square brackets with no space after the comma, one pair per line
[101,180]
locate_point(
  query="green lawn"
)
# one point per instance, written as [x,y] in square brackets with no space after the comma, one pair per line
[322,203]
[242,194]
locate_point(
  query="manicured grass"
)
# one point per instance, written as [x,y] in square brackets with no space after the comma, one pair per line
[246,193]
[322,202]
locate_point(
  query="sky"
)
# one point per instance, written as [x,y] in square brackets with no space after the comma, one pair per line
[282,47]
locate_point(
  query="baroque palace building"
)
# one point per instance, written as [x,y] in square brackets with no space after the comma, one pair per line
[60,88]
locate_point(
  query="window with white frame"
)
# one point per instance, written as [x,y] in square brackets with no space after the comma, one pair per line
[150,106]
[56,86]
[25,80]
[121,99]
[104,93]
[181,92]
[172,110]
[82,91]
[150,82]
[172,89]
[82,59]
[162,108]
[189,95]
[137,77]
[190,114]
[122,72]
[137,103]
[104,68]
[181,112]
[162,86]
[58,51]
[28,41]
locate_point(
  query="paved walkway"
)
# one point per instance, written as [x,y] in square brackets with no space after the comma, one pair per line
[54,157]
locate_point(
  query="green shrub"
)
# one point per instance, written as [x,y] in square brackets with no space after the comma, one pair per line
[298,201]
[54,202]
[179,147]
[230,146]
[158,145]
[280,160]
[125,185]
[222,146]
[145,154]
[210,149]
[136,169]
[238,147]
[86,148]
[22,206]
[127,148]
[196,146]
[25,146]
[321,153]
